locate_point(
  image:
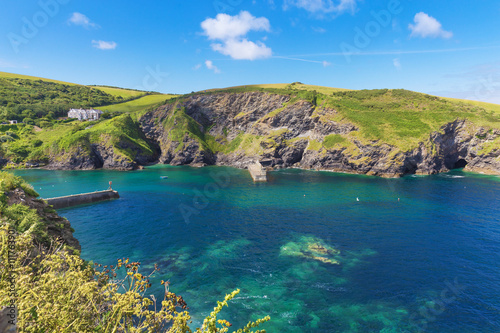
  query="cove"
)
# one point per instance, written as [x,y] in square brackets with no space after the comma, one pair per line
[301,247]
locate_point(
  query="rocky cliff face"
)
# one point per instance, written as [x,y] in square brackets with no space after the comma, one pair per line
[279,131]
[239,129]
[97,156]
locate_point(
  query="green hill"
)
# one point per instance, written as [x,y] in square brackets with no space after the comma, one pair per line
[35,100]
[319,127]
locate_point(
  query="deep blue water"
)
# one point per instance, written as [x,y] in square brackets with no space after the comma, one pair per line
[428,262]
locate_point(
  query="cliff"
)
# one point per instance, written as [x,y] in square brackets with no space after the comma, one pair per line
[386,133]
[114,144]
[281,131]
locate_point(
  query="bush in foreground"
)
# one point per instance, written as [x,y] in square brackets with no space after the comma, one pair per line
[54,290]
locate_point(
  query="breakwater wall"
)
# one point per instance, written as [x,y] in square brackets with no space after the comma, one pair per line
[80,199]
[258,173]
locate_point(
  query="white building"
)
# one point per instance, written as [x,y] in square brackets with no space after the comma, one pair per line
[83,114]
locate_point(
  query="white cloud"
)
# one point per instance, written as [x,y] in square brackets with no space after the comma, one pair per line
[196,67]
[243,49]
[210,65]
[397,63]
[326,63]
[323,6]
[103,45]
[226,27]
[82,20]
[427,26]
[231,31]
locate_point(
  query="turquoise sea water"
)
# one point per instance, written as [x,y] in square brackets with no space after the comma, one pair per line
[426,262]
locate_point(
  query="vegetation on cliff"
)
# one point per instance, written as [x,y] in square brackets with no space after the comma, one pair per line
[120,137]
[382,131]
[397,117]
[54,290]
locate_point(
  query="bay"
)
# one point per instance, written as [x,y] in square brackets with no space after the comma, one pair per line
[419,253]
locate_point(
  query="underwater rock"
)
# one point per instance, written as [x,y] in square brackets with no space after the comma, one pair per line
[312,248]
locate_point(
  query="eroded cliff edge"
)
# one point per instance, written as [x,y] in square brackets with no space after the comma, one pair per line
[237,129]
[384,133]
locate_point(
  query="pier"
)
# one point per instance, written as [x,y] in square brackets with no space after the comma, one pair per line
[80,199]
[258,173]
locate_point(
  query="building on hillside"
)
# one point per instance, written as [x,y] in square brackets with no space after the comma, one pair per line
[12,122]
[82,114]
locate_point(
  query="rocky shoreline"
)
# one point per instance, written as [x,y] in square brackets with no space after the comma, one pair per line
[286,134]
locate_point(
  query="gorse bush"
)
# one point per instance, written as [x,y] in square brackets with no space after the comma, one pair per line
[60,292]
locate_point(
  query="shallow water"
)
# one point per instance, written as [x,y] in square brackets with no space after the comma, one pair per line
[413,254]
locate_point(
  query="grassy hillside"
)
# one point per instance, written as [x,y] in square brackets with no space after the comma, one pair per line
[283,86]
[397,117]
[138,104]
[400,117]
[120,92]
[27,77]
[35,100]
[114,91]
[32,101]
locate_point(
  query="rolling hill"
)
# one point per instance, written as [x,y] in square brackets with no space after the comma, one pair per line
[385,132]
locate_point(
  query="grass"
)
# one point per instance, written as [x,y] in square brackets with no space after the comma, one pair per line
[333,139]
[111,133]
[297,86]
[403,118]
[120,92]
[121,133]
[139,104]
[487,106]
[115,91]
[398,117]
[27,77]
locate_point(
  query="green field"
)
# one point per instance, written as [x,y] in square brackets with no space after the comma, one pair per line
[120,92]
[138,104]
[484,105]
[297,86]
[26,77]
[115,91]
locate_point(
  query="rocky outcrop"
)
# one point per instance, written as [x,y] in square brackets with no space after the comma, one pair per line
[97,156]
[58,228]
[281,133]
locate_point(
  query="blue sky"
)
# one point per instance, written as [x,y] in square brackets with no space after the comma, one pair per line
[447,47]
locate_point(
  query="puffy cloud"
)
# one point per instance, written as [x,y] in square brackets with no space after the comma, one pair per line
[82,20]
[210,65]
[243,49]
[103,45]
[224,26]
[323,6]
[427,26]
[231,31]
